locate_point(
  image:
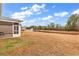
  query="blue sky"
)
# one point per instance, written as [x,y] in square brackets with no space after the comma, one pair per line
[40,13]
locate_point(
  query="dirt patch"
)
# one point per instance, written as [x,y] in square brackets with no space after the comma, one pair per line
[59,32]
[44,44]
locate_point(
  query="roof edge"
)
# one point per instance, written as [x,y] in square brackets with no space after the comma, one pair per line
[7,19]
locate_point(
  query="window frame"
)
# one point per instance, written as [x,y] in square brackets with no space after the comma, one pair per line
[16,29]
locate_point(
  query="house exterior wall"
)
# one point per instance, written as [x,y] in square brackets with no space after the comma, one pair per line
[6,28]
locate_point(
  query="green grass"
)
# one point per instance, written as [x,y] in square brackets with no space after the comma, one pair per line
[14,46]
[10,42]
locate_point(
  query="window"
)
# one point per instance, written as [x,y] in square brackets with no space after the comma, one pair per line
[1,33]
[16,29]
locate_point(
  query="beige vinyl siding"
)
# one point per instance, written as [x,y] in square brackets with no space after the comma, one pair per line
[5,23]
[6,28]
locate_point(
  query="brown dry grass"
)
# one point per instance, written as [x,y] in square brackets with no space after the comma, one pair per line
[39,43]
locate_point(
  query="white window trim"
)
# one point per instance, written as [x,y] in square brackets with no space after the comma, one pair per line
[19,32]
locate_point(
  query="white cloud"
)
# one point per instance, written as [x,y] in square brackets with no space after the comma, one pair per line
[61,14]
[21,15]
[35,9]
[47,18]
[24,8]
[76,11]
[32,21]
[18,15]
[29,21]
[39,13]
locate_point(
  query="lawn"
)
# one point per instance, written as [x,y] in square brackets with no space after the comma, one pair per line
[40,43]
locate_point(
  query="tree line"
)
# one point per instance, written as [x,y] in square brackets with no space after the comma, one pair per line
[71,25]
